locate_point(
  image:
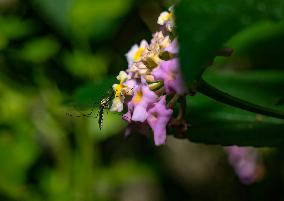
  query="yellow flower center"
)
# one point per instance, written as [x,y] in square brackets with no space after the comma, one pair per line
[118,89]
[138,54]
[170,16]
[138,96]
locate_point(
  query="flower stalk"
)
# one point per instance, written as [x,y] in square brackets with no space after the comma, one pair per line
[216,94]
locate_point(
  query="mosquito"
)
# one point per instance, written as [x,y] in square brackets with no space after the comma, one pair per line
[104,104]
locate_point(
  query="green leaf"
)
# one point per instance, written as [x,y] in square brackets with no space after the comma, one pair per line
[54,13]
[39,50]
[97,18]
[204,26]
[17,153]
[255,47]
[85,64]
[14,28]
[216,123]
[85,18]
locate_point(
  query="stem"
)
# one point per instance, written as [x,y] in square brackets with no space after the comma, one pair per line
[182,109]
[216,94]
[179,123]
[173,101]
[160,91]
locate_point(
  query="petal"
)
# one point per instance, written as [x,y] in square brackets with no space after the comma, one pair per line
[169,72]
[127,116]
[144,44]
[139,113]
[160,136]
[148,95]
[117,105]
[173,47]
[164,16]
[158,118]
[114,86]
[123,76]
[130,54]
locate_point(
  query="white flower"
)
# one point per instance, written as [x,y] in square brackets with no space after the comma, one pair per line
[135,53]
[167,19]
[122,76]
[164,17]
[117,105]
[119,92]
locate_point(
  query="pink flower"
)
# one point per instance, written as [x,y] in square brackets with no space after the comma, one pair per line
[246,163]
[158,118]
[142,98]
[128,114]
[131,85]
[169,72]
[173,47]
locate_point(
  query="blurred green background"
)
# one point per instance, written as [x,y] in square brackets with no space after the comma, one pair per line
[59,57]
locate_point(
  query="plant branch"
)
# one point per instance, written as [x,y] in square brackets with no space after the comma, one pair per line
[218,95]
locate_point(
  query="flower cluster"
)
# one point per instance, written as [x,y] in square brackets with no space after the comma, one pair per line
[152,78]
